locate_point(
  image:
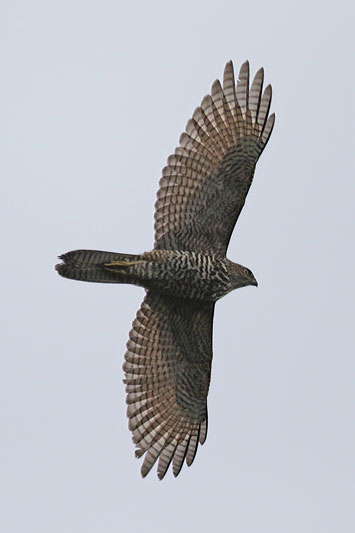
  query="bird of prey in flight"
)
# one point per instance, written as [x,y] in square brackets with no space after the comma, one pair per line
[201,194]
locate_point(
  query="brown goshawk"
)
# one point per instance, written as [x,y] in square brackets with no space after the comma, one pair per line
[201,194]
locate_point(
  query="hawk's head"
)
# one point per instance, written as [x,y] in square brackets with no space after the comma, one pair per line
[241,276]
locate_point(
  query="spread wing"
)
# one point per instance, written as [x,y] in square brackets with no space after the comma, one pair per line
[168,367]
[205,183]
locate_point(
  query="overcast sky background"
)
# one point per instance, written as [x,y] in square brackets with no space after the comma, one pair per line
[94,96]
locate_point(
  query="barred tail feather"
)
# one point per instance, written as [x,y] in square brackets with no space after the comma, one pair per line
[96,266]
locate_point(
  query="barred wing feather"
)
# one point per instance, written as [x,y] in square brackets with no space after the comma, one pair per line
[204,185]
[168,367]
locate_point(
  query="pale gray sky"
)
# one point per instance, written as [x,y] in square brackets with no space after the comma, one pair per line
[94,97]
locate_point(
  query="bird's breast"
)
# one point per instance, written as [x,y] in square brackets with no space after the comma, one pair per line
[185,274]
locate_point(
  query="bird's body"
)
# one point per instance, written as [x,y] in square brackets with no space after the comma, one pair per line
[174,273]
[201,194]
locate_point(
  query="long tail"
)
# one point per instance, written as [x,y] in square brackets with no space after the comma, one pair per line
[97,266]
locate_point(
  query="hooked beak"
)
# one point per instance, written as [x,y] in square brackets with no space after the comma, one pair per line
[254,282]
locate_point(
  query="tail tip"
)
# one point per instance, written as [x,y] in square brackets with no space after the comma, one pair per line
[59,266]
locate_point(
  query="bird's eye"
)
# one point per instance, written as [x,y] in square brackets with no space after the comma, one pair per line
[246,271]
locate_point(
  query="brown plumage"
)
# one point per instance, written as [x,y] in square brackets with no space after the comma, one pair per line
[202,192]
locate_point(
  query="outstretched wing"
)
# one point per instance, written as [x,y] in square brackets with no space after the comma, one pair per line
[168,367]
[205,183]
